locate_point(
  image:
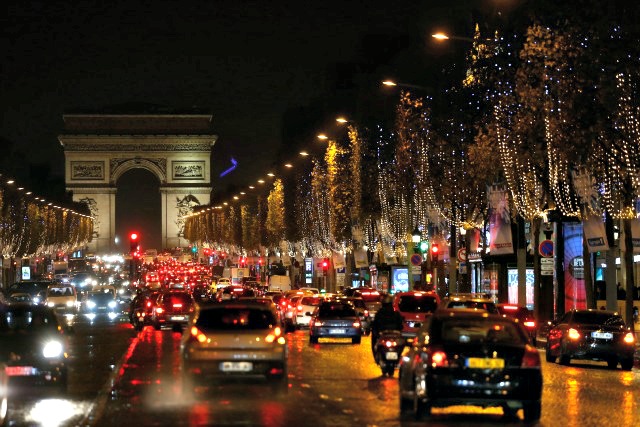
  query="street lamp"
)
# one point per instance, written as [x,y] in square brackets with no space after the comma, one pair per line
[443,36]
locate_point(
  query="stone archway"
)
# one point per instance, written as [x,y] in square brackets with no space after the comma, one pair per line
[176,148]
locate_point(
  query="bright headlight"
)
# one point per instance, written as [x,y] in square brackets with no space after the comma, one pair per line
[91,304]
[112,304]
[70,303]
[52,349]
[50,304]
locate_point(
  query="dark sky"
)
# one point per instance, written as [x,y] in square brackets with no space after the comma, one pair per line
[247,62]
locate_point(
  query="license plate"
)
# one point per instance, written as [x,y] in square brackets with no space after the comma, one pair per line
[337,331]
[177,317]
[602,335]
[236,366]
[484,363]
[20,371]
[391,355]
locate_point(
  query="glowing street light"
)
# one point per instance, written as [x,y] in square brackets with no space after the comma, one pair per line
[323,137]
[443,36]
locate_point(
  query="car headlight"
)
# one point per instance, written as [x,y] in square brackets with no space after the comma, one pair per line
[50,304]
[91,304]
[112,304]
[70,303]
[52,349]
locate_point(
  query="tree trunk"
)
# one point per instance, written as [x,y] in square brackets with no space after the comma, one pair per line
[629,279]
[588,277]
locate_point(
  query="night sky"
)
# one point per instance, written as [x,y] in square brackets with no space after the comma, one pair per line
[250,63]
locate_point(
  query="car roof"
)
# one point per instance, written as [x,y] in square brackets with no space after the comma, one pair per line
[467,313]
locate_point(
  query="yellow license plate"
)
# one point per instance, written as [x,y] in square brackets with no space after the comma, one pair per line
[485,363]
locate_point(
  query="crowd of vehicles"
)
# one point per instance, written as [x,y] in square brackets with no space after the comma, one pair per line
[462,349]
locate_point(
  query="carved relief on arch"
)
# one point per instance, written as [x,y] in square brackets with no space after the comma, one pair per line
[119,166]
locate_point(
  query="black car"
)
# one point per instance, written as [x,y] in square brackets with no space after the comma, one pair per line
[36,288]
[33,345]
[591,335]
[173,309]
[469,357]
[335,319]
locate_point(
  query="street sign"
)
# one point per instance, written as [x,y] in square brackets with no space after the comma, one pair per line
[545,248]
[416,259]
[546,266]
[462,254]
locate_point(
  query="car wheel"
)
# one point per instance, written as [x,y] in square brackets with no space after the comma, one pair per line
[532,411]
[550,358]
[421,408]
[565,359]
[313,340]
[388,369]
[355,340]
[612,363]
[406,405]
[626,364]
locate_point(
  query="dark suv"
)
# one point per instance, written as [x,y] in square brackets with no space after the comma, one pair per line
[173,309]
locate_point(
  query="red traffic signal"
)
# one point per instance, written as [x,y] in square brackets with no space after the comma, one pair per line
[133,242]
[434,252]
[133,237]
[325,264]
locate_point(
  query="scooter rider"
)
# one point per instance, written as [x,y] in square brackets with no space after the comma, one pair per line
[385,319]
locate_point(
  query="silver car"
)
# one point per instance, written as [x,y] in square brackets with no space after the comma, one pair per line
[234,339]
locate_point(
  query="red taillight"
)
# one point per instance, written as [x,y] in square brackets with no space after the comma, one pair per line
[531,358]
[510,307]
[159,310]
[299,308]
[366,313]
[529,324]
[629,338]
[439,359]
[573,334]
[356,324]
[177,306]
[148,303]
[198,335]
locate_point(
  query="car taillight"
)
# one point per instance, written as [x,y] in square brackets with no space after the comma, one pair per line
[531,358]
[148,304]
[198,335]
[275,334]
[159,310]
[573,334]
[438,359]
[629,338]
[356,324]
[177,305]
[529,324]
[366,313]
[389,343]
[299,308]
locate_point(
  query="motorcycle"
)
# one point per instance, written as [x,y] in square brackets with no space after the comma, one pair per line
[387,351]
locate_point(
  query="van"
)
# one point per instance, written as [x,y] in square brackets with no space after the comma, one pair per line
[279,283]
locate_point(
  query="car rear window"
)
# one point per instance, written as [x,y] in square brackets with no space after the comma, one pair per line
[480,305]
[336,310]
[597,318]
[369,296]
[475,331]
[310,301]
[415,304]
[235,319]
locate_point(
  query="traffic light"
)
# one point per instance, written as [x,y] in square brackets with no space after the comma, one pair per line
[325,265]
[134,243]
[435,252]
[424,246]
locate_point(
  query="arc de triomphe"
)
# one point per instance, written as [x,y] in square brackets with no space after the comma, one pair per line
[100,148]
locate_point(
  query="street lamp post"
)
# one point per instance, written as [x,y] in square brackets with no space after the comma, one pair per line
[416,236]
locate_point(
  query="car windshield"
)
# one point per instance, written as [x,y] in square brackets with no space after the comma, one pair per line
[596,318]
[101,296]
[310,301]
[235,319]
[60,292]
[474,331]
[23,319]
[336,310]
[415,304]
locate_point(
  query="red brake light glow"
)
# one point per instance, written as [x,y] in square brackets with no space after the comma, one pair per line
[531,357]
[439,359]
[510,307]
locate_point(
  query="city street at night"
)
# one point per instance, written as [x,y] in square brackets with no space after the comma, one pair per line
[137,380]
